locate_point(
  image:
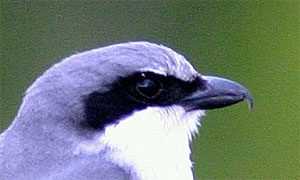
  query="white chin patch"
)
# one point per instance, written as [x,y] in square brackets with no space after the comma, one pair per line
[149,124]
[154,142]
[149,142]
[160,121]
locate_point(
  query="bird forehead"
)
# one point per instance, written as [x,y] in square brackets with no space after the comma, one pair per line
[143,56]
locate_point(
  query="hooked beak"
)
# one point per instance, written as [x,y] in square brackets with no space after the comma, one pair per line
[217,93]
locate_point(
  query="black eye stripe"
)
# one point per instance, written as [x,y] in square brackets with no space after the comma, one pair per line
[103,108]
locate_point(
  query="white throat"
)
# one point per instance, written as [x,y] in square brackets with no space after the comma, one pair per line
[152,144]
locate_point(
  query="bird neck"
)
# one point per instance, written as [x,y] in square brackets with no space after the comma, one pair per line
[151,145]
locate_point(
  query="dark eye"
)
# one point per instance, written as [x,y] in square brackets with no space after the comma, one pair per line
[148,88]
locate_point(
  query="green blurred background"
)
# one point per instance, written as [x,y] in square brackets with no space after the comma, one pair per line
[253,42]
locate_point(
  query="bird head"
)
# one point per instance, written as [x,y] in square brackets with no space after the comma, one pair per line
[135,103]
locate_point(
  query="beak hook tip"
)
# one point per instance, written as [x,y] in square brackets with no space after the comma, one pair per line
[249,100]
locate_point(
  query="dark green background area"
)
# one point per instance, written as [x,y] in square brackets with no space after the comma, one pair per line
[256,43]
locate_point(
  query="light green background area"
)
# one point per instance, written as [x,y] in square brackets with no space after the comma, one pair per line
[256,43]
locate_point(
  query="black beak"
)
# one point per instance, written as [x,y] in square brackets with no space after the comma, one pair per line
[215,93]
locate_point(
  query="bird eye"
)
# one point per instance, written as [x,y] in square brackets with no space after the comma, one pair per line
[148,88]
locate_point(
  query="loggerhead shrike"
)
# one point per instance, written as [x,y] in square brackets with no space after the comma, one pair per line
[122,112]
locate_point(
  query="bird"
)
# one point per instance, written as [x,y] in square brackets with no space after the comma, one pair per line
[126,111]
